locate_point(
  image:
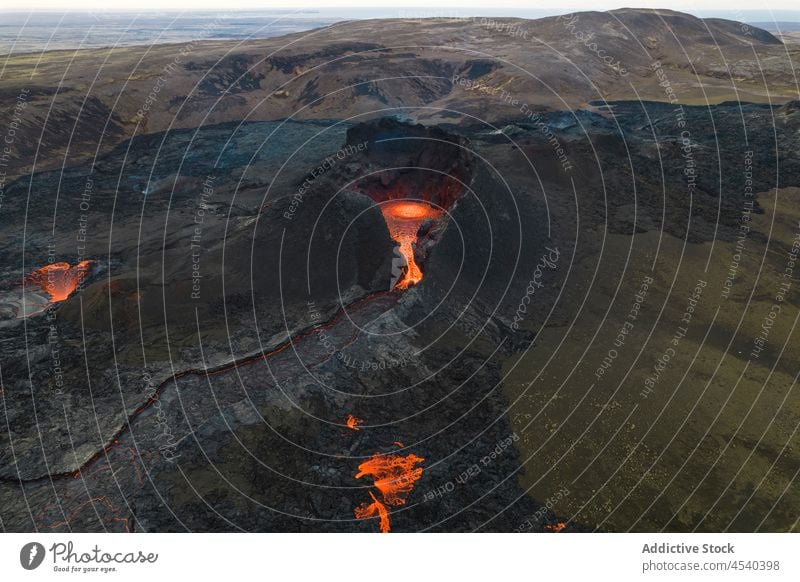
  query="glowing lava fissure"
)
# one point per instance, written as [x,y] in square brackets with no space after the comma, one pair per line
[404,217]
[59,280]
[394,476]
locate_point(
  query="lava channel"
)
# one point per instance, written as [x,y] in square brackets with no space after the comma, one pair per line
[394,476]
[366,510]
[404,218]
[59,280]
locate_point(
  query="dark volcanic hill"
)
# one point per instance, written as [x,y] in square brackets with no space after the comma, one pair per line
[76,101]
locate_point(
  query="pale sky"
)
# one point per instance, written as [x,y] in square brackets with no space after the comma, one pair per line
[555,5]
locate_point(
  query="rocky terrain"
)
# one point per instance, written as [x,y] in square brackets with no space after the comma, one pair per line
[431,69]
[618,222]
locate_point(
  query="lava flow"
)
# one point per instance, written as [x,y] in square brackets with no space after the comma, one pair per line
[59,280]
[353,422]
[366,510]
[404,218]
[394,476]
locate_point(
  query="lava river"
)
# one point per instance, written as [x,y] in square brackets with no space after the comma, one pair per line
[404,218]
[394,476]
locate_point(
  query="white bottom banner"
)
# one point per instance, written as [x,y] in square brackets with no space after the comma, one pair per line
[399,557]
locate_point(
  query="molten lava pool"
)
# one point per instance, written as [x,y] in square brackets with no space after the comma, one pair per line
[404,218]
[59,280]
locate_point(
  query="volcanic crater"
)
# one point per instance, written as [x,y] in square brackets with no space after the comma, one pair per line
[415,174]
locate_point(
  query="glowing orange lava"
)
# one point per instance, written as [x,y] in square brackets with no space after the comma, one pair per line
[394,476]
[555,527]
[404,219]
[353,422]
[366,510]
[59,280]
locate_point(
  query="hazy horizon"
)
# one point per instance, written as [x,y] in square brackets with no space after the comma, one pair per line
[39,29]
